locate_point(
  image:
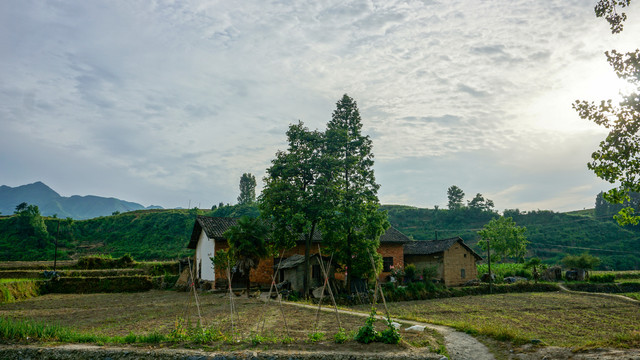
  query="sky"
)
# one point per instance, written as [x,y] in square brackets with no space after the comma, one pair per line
[169,102]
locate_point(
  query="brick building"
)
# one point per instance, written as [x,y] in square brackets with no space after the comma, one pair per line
[455,261]
[207,238]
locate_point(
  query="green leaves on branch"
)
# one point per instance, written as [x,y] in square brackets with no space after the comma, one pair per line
[618,158]
[506,239]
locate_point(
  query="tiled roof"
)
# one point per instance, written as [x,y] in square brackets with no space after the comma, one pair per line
[215,227]
[435,246]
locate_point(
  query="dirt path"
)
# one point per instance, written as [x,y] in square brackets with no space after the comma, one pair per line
[460,346]
[602,295]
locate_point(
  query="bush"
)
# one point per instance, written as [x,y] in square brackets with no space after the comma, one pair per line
[602,278]
[367,333]
[340,337]
[390,335]
[410,273]
[105,262]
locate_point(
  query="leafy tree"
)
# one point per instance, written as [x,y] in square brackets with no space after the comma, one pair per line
[247,189]
[584,261]
[455,196]
[296,193]
[354,225]
[480,203]
[618,158]
[506,239]
[30,224]
[247,245]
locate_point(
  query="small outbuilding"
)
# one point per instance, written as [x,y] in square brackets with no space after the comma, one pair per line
[455,260]
[292,269]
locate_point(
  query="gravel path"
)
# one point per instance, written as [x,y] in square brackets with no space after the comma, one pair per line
[460,346]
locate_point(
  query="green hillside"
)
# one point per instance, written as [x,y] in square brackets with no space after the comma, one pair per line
[144,234]
[552,235]
[164,234]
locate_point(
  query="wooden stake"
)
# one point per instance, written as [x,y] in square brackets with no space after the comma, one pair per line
[326,276]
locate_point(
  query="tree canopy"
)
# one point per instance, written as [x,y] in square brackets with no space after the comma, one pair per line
[247,244]
[507,240]
[455,196]
[355,224]
[325,180]
[247,189]
[618,158]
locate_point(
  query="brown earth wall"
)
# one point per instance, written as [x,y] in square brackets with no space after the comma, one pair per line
[262,274]
[454,261]
[423,261]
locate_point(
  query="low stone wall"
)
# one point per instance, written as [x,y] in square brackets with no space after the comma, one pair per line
[89,352]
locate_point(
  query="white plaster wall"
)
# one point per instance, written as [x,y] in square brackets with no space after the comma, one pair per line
[204,251]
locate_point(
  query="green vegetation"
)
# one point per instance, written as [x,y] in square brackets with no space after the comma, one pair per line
[505,238]
[551,235]
[616,160]
[556,319]
[18,289]
[143,234]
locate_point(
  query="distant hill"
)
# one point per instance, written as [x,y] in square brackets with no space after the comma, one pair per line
[50,202]
[552,235]
[164,234]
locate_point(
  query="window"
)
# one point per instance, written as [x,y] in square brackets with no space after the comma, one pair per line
[387,264]
[462,273]
[465,255]
[315,273]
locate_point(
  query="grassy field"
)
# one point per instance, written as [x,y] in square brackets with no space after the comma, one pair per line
[557,319]
[162,314]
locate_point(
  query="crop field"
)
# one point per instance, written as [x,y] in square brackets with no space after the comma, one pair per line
[166,313]
[558,319]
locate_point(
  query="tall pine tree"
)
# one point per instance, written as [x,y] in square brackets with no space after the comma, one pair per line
[355,224]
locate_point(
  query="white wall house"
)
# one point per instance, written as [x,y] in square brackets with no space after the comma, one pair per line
[205,250]
[206,231]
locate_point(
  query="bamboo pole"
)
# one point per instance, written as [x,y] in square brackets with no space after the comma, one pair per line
[326,275]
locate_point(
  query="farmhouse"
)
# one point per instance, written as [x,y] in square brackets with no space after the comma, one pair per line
[207,238]
[456,262]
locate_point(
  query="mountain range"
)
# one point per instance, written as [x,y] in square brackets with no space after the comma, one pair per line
[51,203]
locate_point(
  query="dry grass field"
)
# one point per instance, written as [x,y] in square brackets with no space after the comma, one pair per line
[162,312]
[558,319]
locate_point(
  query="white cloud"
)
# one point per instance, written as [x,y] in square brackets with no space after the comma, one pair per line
[181,98]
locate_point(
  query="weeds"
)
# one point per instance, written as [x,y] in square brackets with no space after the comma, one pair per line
[314,337]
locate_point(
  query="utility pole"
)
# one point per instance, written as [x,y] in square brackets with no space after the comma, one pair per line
[489,262]
[55,254]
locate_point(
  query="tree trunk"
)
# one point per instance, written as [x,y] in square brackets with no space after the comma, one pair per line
[307,257]
[349,269]
[248,283]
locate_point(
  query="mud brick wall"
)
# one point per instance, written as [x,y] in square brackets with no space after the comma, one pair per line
[456,259]
[423,261]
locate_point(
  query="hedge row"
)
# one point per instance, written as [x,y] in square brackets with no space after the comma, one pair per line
[616,288]
[420,291]
[110,284]
[35,274]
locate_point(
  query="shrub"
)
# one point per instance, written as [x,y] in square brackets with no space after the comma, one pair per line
[602,278]
[390,335]
[429,272]
[340,337]
[367,333]
[316,336]
[410,273]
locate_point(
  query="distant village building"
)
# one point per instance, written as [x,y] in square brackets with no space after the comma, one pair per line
[455,261]
[207,238]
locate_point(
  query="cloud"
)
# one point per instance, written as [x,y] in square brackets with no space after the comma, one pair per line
[174,100]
